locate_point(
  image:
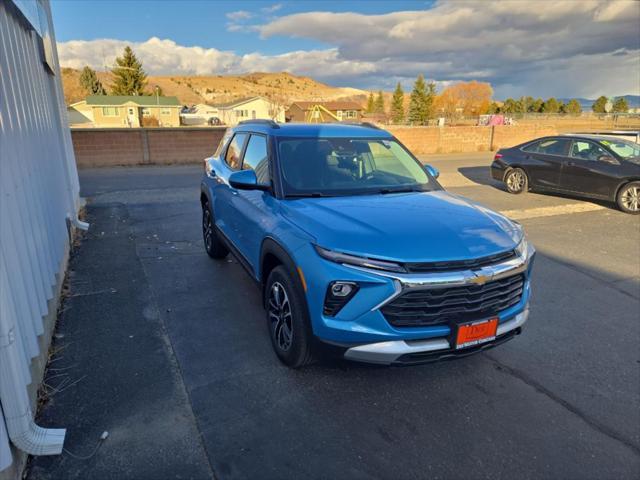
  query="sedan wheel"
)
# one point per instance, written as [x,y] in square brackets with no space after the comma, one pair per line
[516,181]
[629,198]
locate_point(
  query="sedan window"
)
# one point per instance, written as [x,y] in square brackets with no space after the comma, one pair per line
[553,146]
[587,151]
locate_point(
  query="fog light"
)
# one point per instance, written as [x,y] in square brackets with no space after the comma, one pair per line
[338,295]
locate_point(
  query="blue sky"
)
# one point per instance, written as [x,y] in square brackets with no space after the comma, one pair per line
[560,48]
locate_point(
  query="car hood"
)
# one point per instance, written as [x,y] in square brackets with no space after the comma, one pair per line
[406,227]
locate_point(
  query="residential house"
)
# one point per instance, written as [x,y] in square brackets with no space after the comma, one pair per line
[232,113]
[125,111]
[341,110]
[39,209]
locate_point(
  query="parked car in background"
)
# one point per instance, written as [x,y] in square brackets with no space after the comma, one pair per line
[593,166]
[356,245]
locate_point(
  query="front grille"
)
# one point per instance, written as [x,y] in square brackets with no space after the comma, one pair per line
[448,266]
[456,304]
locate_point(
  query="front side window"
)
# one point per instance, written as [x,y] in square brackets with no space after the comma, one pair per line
[552,146]
[343,166]
[232,158]
[587,151]
[256,158]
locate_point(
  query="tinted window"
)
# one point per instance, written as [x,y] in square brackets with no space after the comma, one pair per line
[587,150]
[343,166]
[235,150]
[552,146]
[223,142]
[256,158]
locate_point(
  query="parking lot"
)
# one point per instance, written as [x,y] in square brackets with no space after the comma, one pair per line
[170,353]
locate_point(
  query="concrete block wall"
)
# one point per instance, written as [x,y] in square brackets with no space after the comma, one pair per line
[143,146]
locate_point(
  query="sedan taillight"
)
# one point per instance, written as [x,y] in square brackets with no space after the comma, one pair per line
[497,156]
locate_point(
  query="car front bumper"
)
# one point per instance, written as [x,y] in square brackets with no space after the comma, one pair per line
[419,351]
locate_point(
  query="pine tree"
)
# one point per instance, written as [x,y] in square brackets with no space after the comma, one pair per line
[371,104]
[379,105]
[397,105]
[421,101]
[620,105]
[128,76]
[89,81]
[599,105]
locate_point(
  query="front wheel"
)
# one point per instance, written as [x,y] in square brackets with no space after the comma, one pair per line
[628,199]
[212,244]
[516,181]
[288,320]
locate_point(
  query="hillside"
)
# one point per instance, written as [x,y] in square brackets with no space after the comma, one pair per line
[224,88]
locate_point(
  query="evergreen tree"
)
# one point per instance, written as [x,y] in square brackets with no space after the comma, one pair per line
[598,105]
[421,101]
[371,104]
[397,105]
[620,105]
[551,106]
[89,81]
[379,104]
[573,107]
[128,76]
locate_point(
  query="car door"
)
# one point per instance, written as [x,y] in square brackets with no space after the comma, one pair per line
[223,193]
[584,172]
[254,209]
[543,160]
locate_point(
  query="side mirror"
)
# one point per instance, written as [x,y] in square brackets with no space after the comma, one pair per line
[608,159]
[246,180]
[433,171]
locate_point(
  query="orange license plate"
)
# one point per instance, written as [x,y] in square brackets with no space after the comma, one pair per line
[475,333]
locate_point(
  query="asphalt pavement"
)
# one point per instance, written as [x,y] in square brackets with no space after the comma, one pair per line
[174,360]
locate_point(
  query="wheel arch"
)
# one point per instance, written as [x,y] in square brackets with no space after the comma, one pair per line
[273,254]
[623,184]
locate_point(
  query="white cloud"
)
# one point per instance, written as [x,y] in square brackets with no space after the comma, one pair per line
[239,15]
[540,46]
[163,56]
[271,9]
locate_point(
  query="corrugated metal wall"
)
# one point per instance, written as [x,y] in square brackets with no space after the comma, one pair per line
[38,189]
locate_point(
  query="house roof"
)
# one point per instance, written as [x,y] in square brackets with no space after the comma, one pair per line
[142,100]
[333,106]
[237,102]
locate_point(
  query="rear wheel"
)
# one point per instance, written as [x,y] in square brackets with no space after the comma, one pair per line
[629,198]
[288,320]
[213,245]
[516,181]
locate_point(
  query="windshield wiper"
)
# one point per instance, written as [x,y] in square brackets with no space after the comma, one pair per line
[306,195]
[400,190]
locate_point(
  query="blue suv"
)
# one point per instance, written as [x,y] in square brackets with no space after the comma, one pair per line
[356,245]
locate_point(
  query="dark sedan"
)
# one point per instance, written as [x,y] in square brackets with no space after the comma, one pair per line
[599,167]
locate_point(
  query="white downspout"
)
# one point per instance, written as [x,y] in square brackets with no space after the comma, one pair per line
[23,432]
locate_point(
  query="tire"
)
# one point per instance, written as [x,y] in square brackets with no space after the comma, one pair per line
[628,198]
[516,181]
[212,244]
[288,319]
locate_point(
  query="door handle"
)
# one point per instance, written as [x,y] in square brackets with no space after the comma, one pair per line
[571,164]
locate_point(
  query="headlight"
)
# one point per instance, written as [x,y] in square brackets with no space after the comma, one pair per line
[365,262]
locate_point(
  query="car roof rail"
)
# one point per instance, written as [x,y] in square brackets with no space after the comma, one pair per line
[364,124]
[260,121]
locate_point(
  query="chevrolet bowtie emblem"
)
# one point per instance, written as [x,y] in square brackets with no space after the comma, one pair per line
[479,279]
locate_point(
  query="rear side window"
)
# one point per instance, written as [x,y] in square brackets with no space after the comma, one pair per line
[223,142]
[232,157]
[256,158]
[552,146]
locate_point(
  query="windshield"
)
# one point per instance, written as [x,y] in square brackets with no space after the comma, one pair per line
[624,148]
[343,166]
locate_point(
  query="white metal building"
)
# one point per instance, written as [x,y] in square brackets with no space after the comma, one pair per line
[38,204]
